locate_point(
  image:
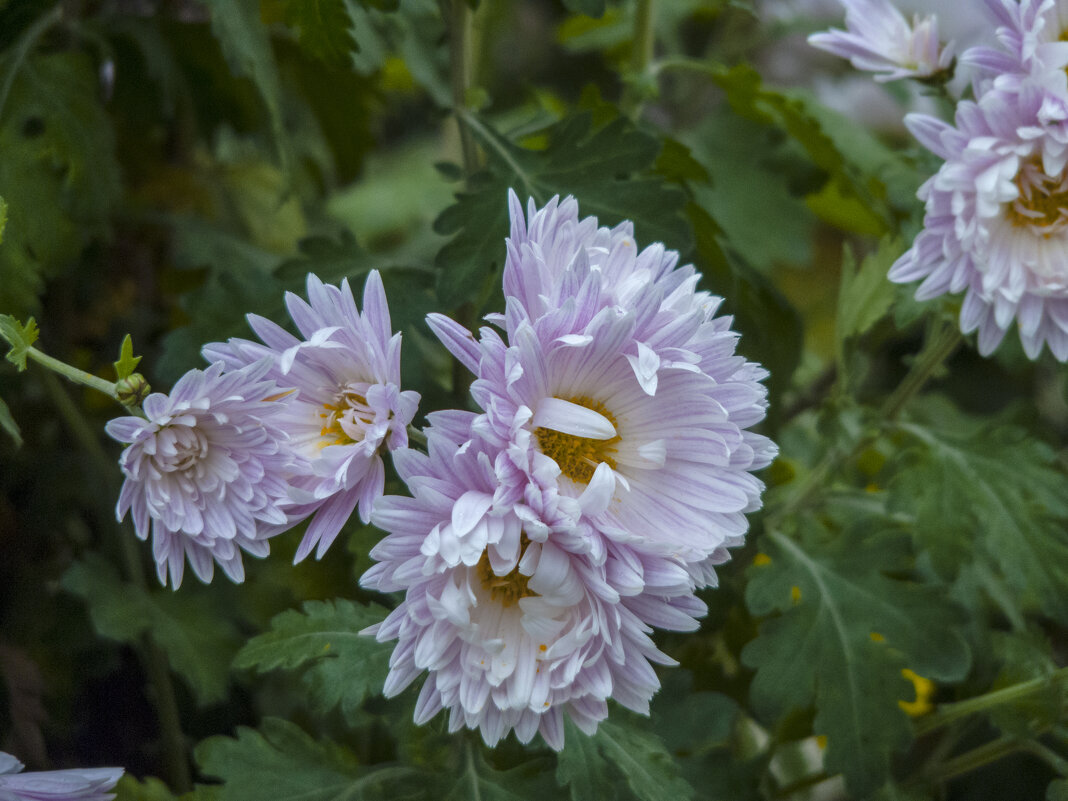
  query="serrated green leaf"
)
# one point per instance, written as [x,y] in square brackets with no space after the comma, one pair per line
[198,642]
[844,635]
[341,666]
[606,169]
[323,26]
[59,175]
[591,8]
[865,294]
[127,363]
[151,789]
[480,780]
[247,47]
[8,424]
[281,762]
[640,757]
[20,337]
[987,493]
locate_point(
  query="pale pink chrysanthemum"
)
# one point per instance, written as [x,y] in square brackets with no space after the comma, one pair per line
[346,406]
[77,784]
[205,470]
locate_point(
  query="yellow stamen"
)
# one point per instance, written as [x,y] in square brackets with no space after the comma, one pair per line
[507,589]
[348,406]
[1041,199]
[578,457]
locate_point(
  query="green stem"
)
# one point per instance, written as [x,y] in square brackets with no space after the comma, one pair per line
[641,53]
[417,436]
[23,48]
[73,373]
[1048,755]
[942,345]
[461,25]
[161,687]
[972,760]
[948,713]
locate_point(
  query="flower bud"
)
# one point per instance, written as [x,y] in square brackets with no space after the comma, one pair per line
[132,390]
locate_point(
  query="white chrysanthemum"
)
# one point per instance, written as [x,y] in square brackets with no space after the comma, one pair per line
[879,39]
[996,225]
[346,407]
[76,784]
[517,610]
[618,369]
[206,470]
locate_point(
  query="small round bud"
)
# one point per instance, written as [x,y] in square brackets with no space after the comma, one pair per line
[132,390]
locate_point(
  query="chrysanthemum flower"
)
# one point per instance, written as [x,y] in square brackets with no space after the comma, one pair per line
[79,784]
[517,610]
[205,470]
[617,369]
[879,39]
[346,405]
[996,225]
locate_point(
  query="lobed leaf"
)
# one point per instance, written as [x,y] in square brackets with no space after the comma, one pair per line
[20,337]
[127,363]
[323,26]
[341,666]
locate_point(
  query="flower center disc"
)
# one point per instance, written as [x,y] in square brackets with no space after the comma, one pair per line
[344,420]
[507,589]
[578,457]
[1042,201]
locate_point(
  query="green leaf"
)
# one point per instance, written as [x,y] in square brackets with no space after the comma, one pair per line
[323,26]
[989,494]
[127,363]
[199,643]
[280,762]
[247,47]
[8,424]
[865,294]
[640,757]
[845,632]
[591,8]
[3,218]
[151,789]
[58,176]
[341,666]
[607,169]
[20,337]
[481,781]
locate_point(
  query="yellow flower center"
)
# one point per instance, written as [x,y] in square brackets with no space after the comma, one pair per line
[507,589]
[344,419]
[578,457]
[1042,201]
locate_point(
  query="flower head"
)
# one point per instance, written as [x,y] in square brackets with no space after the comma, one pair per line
[515,607]
[89,784]
[205,470]
[879,39]
[615,367]
[346,405]
[996,225]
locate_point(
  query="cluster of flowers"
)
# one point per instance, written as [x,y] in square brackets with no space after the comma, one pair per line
[86,784]
[602,479]
[996,224]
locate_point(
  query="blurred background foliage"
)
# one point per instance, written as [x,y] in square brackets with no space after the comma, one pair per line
[169,166]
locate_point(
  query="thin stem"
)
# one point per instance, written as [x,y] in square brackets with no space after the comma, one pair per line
[460,78]
[1048,755]
[942,346]
[947,713]
[73,373]
[641,53]
[161,687]
[23,48]
[972,760]
[417,436]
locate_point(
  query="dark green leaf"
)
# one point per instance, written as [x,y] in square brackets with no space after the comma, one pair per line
[606,169]
[280,762]
[198,642]
[130,789]
[640,757]
[323,26]
[480,780]
[58,176]
[20,337]
[844,635]
[987,493]
[865,294]
[341,666]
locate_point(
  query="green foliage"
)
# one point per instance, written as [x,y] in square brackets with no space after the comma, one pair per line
[323,26]
[20,337]
[58,176]
[8,424]
[587,763]
[980,492]
[127,363]
[3,218]
[340,666]
[280,761]
[591,8]
[198,642]
[607,167]
[844,633]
